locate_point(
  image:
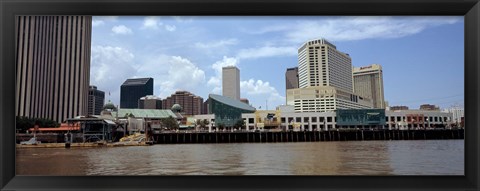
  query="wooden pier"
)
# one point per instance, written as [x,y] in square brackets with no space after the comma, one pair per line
[306,136]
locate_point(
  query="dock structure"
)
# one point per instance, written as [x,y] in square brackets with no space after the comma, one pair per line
[306,136]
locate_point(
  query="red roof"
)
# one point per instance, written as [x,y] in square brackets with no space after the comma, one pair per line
[63,127]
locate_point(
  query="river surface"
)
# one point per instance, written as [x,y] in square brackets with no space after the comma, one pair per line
[422,157]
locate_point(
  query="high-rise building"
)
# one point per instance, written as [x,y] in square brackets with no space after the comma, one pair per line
[368,82]
[190,103]
[150,102]
[321,64]
[133,89]
[96,99]
[231,82]
[291,78]
[53,66]
[325,80]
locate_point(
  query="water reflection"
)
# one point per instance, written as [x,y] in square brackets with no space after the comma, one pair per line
[310,158]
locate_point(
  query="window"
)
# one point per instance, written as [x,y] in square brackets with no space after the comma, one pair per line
[329,119]
[282,119]
[250,120]
[314,119]
[298,119]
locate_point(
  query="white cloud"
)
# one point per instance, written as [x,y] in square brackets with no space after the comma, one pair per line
[215,81]
[267,51]
[217,44]
[121,29]
[357,28]
[100,20]
[183,19]
[170,28]
[97,23]
[259,89]
[151,23]
[111,66]
[172,73]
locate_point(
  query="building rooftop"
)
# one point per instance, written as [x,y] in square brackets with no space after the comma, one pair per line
[232,102]
[149,97]
[136,81]
[147,113]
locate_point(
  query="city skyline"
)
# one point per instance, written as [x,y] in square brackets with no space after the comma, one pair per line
[187,53]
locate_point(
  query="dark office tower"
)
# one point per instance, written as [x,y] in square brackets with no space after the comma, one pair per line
[96,99]
[133,89]
[52,66]
[190,103]
[291,78]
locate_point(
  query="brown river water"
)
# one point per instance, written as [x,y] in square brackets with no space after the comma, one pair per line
[422,157]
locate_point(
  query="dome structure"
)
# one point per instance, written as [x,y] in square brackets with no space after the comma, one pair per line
[109,106]
[176,108]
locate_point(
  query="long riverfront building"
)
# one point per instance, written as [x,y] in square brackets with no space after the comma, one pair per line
[278,120]
[53,66]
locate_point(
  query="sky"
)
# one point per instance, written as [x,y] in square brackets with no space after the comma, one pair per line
[422,57]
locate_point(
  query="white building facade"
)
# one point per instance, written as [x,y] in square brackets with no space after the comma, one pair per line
[325,99]
[322,121]
[457,113]
[321,64]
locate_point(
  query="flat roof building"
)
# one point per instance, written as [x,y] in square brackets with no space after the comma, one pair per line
[291,78]
[150,102]
[368,82]
[96,100]
[190,103]
[231,82]
[325,98]
[133,89]
[321,64]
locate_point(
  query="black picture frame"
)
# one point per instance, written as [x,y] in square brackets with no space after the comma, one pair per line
[470,9]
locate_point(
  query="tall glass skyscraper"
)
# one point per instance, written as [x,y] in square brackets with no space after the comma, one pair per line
[133,89]
[53,66]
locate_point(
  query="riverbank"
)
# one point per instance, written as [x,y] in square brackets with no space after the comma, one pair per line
[273,137]
[307,136]
[62,145]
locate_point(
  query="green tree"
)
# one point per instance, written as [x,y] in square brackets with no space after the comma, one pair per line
[239,124]
[170,123]
[129,115]
[22,124]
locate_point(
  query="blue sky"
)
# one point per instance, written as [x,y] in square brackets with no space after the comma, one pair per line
[422,57]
